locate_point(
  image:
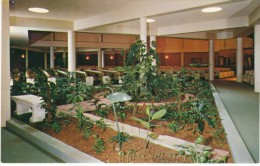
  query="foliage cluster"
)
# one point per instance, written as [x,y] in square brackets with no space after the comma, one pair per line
[142,81]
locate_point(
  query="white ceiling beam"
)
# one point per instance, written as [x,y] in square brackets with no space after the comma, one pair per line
[117,29]
[204,26]
[254,16]
[154,8]
[41,24]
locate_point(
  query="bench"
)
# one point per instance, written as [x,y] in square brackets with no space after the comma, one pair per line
[84,77]
[111,75]
[30,103]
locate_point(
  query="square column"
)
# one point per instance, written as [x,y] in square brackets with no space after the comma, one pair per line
[5,63]
[100,59]
[257,58]
[26,59]
[143,30]
[211,60]
[51,57]
[153,39]
[45,61]
[239,65]
[103,57]
[71,52]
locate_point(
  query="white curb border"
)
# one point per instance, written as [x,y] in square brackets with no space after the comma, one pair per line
[55,147]
[238,148]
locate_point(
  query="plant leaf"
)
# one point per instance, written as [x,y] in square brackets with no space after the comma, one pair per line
[154,135]
[147,110]
[159,114]
[201,126]
[136,119]
[199,140]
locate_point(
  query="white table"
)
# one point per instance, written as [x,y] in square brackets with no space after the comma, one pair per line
[30,103]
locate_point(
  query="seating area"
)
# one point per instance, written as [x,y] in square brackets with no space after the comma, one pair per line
[248,77]
[92,76]
[202,72]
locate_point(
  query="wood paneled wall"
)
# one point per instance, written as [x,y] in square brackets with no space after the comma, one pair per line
[170,59]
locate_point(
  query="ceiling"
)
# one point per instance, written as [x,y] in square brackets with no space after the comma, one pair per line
[176,18]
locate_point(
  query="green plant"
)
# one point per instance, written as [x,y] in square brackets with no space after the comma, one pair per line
[162,86]
[101,124]
[123,137]
[220,134]
[102,112]
[122,108]
[175,126]
[78,92]
[87,133]
[83,121]
[137,71]
[99,145]
[98,107]
[151,117]
[48,92]
[203,155]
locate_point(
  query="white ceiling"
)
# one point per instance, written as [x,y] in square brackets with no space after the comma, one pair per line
[179,18]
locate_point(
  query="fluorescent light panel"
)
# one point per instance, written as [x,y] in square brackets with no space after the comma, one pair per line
[38,10]
[150,20]
[211,9]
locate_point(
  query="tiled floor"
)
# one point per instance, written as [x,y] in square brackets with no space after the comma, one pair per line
[242,104]
[15,149]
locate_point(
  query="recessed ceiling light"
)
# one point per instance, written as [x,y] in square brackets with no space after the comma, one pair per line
[150,20]
[38,10]
[211,9]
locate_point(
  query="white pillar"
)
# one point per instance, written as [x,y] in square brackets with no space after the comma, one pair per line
[45,60]
[100,57]
[257,58]
[211,60]
[51,57]
[5,63]
[26,59]
[143,30]
[239,64]
[71,52]
[64,54]
[153,39]
[103,58]
[64,58]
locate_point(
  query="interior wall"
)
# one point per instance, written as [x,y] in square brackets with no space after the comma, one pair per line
[16,59]
[87,59]
[192,56]
[112,60]
[170,59]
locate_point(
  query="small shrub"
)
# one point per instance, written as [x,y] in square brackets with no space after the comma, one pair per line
[101,124]
[175,126]
[99,145]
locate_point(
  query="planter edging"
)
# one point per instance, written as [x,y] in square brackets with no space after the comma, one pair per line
[239,151]
[55,147]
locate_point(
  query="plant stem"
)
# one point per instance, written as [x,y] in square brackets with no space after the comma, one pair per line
[119,134]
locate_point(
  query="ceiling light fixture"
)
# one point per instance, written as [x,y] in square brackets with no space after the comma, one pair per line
[211,9]
[38,10]
[149,20]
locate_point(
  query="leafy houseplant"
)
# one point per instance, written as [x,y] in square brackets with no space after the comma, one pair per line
[138,68]
[151,117]
[99,145]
